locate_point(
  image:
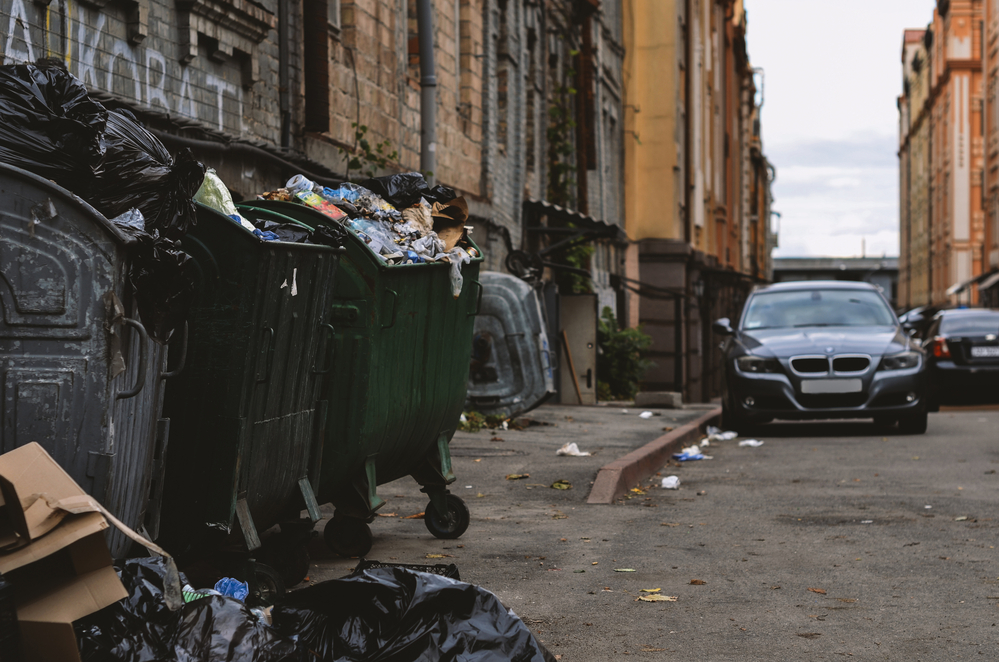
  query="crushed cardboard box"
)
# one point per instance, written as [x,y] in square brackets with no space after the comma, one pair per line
[53,552]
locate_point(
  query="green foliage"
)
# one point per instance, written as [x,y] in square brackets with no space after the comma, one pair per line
[621,360]
[577,256]
[474,421]
[368,158]
[560,145]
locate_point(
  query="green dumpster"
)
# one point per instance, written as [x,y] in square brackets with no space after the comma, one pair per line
[397,386]
[248,411]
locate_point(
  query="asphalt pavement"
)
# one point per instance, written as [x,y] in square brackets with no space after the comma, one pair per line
[830,540]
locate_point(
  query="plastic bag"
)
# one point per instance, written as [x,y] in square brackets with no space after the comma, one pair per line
[458,257]
[396,614]
[141,629]
[139,172]
[163,278]
[215,194]
[50,126]
[405,189]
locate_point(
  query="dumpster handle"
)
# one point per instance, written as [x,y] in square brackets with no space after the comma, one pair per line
[270,354]
[478,299]
[329,350]
[395,308]
[183,359]
[140,379]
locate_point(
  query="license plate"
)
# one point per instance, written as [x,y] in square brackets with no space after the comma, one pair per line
[985,352]
[831,386]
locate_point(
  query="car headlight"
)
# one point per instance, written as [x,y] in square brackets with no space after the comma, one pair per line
[900,361]
[757,364]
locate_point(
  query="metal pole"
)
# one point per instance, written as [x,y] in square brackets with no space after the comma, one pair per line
[428,91]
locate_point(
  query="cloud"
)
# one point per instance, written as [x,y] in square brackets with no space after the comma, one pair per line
[837,197]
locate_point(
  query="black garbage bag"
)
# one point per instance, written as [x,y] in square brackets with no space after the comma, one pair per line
[405,189]
[139,172]
[400,615]
[329,235]
[140,628]
[162,276]
[49,125]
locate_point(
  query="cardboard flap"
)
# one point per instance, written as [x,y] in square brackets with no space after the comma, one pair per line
[27,474]
[73,528]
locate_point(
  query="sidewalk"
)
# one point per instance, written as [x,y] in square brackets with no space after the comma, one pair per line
[625,448]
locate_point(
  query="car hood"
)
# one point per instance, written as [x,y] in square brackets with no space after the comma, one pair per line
[784,343]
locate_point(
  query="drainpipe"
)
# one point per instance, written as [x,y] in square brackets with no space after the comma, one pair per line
[428,91]
[284,72]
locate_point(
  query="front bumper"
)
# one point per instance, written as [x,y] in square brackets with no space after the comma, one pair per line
[776,396]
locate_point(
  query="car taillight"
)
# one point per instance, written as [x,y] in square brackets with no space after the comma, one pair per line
[939,348]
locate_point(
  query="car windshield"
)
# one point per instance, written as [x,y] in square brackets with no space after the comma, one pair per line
[970,325]
[801,308]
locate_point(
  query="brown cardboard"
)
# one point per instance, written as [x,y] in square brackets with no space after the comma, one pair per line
[57,560]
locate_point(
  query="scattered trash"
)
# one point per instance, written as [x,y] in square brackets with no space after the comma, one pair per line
[517,476]
[817,590]
[690,453]
[715,434]
[656,598]
[671,483]
[562,484]
[753,443]
[867,521]
[419,515]
[649,590]
[398,614]
[961,519]
[646,414]
[701,493]
[624,570]
[571,449]
[927,507]
[232,588]
[697,582]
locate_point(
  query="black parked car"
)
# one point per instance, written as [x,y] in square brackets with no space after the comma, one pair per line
[818,350]
[962,349]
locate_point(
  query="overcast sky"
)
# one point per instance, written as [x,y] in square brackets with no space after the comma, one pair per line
[830,121]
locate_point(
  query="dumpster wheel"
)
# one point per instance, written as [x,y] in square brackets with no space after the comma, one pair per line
[348,536]
[266,584]
[454,525]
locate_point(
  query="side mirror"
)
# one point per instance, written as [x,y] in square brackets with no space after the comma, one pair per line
[723,327]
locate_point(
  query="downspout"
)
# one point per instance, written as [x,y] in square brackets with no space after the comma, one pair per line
[284,72]
[428,91]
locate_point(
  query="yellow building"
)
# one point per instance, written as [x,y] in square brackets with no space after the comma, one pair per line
[697,186]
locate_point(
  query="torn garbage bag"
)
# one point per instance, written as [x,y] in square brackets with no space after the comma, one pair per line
[400,615]
[141,629]
[139,172]
[50,126]
[405,189]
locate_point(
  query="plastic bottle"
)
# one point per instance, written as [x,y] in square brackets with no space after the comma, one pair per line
[300,183]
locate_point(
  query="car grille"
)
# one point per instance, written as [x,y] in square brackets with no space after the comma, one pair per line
[851,363]
[832,400]
[810,365]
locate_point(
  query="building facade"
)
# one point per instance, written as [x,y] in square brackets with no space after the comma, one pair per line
[942,158]
[989,287]
[697,184]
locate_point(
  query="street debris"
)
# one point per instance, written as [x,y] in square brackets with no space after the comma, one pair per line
[691,453]
[419,515]
[517,476]
[715,434]
[624,570]
[817,590]
[561,484]
[671,483]
[656,598]
[646,414]
[698,582]
[753,443]
[963,518]
[649,590]
[571,449]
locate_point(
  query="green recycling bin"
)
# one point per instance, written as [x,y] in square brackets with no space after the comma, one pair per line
[248,410]
[397,386]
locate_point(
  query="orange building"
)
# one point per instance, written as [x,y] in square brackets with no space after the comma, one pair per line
[989,286]
[946,69]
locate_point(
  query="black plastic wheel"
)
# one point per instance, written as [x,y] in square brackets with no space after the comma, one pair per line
[266,585]
[454,525]
[348,536]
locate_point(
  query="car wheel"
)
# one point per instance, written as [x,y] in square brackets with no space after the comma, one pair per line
[733,421]
[914,423]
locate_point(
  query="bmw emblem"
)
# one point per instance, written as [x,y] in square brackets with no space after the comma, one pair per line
[830,350]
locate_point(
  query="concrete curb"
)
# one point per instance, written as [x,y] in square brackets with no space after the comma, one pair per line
[615,479]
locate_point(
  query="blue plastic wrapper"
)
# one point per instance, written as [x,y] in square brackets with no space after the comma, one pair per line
[233,588]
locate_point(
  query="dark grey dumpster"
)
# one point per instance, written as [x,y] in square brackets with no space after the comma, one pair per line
[79,374]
